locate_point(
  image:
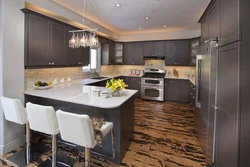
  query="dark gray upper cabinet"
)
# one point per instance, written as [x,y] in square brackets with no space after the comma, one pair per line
[47,43]
[156,48]
[58,42]
[129,51]
[85,60]
[228,106]
[105,54]
[108,52]
[183,53]
[148,49]
[138,58]
[74,55]
[159,48]
[177,53]
[37,40]
[204,30]
[214,21]
[230,21]
[194,47]
[133,53]
[171,52]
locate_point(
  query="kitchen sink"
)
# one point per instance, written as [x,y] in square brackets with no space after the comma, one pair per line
[99,78]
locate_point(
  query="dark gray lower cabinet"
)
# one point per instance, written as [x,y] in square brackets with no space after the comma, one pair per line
[134,83]
[192,95]
[177,90]
[228,107]
[171,90]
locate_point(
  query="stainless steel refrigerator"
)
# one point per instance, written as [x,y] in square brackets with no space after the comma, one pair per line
[206,81]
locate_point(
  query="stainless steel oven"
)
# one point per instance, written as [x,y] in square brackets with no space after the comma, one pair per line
[152,81]
[152,84]
[150,92]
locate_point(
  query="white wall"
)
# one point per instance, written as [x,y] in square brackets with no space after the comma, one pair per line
[147,36]
[12,69]
[1,79]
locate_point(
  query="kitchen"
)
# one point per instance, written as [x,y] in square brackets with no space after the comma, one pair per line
[186,99]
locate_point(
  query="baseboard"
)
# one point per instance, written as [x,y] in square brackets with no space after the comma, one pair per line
[11,146]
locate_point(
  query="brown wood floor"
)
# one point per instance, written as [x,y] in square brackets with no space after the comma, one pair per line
[164,137]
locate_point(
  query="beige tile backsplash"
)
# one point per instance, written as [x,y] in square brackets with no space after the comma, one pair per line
[49,74]
[185,72]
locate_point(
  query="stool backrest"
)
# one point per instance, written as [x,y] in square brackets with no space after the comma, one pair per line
[14,110]
[75,128]
[42,118]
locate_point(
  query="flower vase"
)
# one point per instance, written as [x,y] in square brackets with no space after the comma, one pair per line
[117,93]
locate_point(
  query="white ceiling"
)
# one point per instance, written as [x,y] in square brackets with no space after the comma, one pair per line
[176,14]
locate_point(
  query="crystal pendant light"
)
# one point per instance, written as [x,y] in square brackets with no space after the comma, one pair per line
[84,38]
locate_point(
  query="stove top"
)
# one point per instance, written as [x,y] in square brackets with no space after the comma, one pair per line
[154,73]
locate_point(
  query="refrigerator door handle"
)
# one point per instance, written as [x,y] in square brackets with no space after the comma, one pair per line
[215,126]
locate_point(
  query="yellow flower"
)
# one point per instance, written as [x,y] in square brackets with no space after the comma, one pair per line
[114,84]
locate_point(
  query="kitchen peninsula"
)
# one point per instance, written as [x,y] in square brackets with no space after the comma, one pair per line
[77,97]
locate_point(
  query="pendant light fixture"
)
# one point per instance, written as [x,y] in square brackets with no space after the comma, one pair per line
[83,38]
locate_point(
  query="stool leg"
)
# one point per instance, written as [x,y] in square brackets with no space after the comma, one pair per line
[113,142]
[27,143]
[54,150]
[87,157]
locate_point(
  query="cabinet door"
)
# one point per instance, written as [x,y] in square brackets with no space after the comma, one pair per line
[58,44]
[138,57]
[183,91]
[214,21]
[204,31]
[38,41]
[85,56]
[227,114]
[171,52]
[105,54]
[159,48]
[111,52]
[194,46]
[230,31]
[171,90]
[129,53]
[74,55]
[183,53]
[148,49]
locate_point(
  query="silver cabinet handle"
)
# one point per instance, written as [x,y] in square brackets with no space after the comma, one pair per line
[49,63]
[52,63]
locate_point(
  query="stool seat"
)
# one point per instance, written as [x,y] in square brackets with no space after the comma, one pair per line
[43,119]
[14,111]
[78,129]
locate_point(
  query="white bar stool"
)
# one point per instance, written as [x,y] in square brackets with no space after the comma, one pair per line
[78,129]
[14,111]
[43,119]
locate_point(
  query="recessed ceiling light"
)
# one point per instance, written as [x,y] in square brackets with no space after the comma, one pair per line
[139,28]
[147,18]
[165,26]
[118,5]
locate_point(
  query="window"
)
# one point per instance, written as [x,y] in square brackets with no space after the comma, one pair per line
[94,61]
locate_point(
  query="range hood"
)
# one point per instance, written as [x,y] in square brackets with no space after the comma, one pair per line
[154,57]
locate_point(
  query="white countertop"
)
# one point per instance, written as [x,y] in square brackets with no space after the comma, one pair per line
[79,93]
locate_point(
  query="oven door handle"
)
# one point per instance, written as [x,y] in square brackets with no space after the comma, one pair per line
[155,79]
[152,87]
